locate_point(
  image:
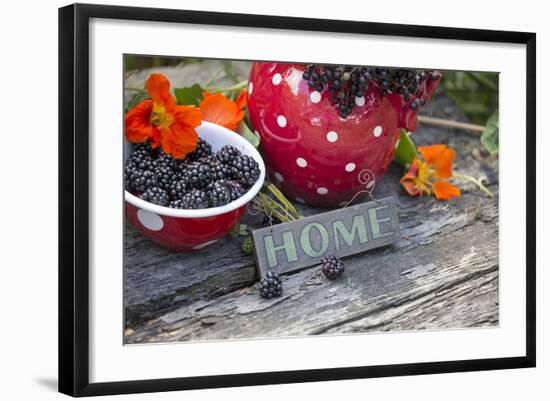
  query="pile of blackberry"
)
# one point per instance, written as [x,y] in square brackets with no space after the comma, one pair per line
[203,179]
[345,83]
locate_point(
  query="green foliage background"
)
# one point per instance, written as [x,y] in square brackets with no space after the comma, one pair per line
[476,93]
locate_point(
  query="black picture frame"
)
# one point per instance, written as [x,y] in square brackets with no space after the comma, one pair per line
[74,198]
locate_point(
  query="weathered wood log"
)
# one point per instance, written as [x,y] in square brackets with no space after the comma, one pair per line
[419,283]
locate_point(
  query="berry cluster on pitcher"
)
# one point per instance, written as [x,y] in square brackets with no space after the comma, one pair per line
[346,83]
[202,180]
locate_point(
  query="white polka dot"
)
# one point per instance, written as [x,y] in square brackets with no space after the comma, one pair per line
[277,78]
[281,120]
[301,162]
[150,220]
[250,88]
[300,200]
[279,177]
[350,167]
[378,131]
[332,136]
[322,191]
[204,244]
[315,97]
[360,101]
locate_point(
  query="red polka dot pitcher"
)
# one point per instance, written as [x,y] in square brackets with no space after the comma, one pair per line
[313,154]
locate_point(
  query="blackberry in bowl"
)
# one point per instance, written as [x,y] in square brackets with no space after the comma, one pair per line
[189,204]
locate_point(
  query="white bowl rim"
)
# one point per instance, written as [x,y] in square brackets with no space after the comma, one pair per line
[213,211]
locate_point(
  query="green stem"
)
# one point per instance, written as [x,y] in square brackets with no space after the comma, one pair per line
[214,77]
[269,207]
[281,198]
[135,89]
[483,80]
[236,87]
[477,182]
[274,203]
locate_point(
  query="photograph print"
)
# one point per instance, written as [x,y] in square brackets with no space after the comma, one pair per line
[276,199]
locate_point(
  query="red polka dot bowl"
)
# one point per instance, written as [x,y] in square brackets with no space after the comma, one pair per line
[189,230]
[312,154]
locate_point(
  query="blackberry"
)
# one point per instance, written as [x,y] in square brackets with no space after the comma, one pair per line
[164,160]
[176,204]
[271,285]
[176,189]
[219,170]
[141,157]
[164,175]
[139,180]
[195,199]
[156,195]
[202,150]
[197,175]
[218,193]
[245,169]
[332,267]
[247,246]
[227,153]
[236,189]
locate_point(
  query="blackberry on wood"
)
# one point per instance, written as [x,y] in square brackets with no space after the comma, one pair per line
[271,285]
[332,267]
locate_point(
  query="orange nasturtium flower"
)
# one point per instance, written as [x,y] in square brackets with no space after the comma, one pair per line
[160,120]
[430,175]
[222,111]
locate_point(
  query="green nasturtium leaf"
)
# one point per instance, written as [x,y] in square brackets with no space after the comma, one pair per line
[475,93]
[190,95]
[239,230]
[405,151]
[248,134]
[489,137]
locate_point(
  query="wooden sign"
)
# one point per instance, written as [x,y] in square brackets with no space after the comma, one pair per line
[287,247]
